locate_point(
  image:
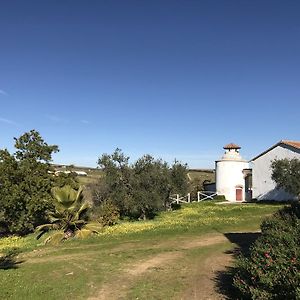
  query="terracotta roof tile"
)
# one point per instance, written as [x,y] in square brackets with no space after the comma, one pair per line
[294,144]
[231,146]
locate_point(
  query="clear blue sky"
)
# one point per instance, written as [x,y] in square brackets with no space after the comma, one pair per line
[170,78]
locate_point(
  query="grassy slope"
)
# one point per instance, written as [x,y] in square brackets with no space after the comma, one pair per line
[76,269]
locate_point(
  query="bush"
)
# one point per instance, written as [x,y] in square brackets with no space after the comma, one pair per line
[220,198]
[175,206]
[272,270]
[107,214]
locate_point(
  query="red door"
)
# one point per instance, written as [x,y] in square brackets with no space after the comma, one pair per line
[239,194]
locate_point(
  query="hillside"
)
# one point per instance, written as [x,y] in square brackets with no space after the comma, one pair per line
[196,176]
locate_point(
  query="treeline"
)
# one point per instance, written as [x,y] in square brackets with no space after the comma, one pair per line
[137,190]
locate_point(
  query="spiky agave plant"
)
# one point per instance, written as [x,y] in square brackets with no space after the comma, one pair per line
[69,218]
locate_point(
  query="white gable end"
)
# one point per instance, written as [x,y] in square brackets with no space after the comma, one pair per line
[264,188]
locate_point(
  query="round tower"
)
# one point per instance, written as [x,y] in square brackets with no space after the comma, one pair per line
[230,180]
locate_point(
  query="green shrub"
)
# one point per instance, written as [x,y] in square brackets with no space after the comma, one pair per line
[175,206]
[107,214]
[272,270]
[220,198]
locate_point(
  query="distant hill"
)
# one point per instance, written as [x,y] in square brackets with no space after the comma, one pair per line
[196,176]
[83,168]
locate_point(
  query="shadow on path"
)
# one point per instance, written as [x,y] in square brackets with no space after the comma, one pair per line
[9,261]
[224,279]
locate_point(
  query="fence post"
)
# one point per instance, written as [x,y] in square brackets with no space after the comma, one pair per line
[189,197]
[177,198]
[198,196]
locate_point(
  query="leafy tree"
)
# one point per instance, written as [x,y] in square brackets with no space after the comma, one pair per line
[70,216]
[31,146]
[140,189]
[117,180]
[151,186]
[178,177]
[286,174]
[26,183]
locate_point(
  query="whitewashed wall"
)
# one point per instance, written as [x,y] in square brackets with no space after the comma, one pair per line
[229,174]
[264,188]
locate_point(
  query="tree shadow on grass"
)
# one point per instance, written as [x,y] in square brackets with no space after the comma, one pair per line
[9,261]
[224,279]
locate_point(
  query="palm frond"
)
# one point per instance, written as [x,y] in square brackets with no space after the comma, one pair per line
[84,207]
[55,238]
[54,219]
[65,195]
[59,207]
[83,233]
[40,235]
[94,227]
[79,196]
[46,227]
[42,229]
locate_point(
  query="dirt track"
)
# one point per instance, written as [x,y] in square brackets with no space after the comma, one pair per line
[201,286]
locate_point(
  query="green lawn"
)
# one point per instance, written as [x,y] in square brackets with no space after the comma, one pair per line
[111,262]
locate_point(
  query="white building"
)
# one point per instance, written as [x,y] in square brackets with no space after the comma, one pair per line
[81,173]
[264,188]
[230,174]
[78,173]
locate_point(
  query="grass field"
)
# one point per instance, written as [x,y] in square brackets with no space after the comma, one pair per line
[174,256]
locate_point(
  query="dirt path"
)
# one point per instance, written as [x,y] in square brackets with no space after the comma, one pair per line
[121,284]
[202,284]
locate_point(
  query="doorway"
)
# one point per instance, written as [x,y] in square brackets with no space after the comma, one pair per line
[239,194]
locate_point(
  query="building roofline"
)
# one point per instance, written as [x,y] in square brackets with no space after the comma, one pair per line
[293,144]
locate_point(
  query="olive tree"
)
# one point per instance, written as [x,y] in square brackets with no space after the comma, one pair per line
[142,188]
[286,174]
